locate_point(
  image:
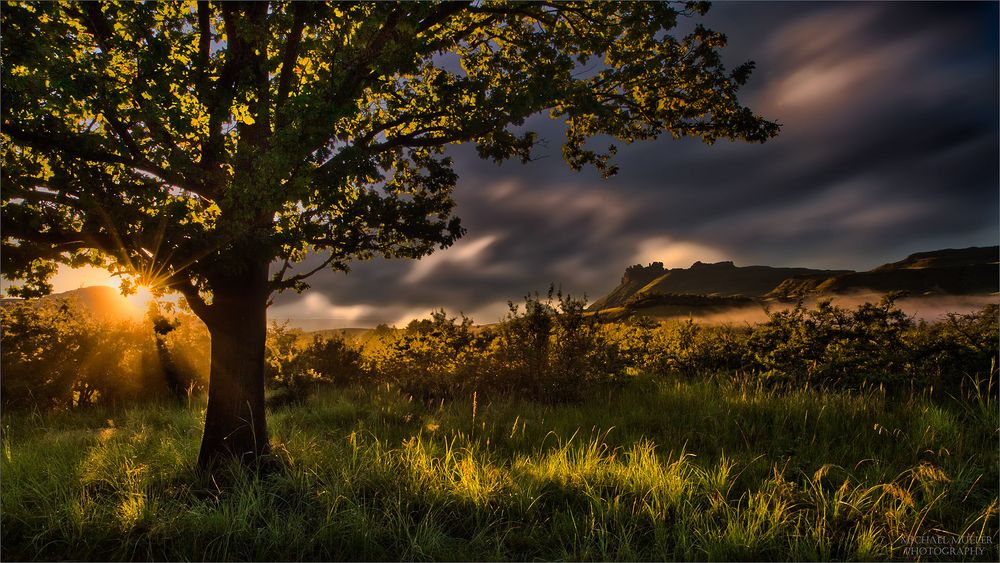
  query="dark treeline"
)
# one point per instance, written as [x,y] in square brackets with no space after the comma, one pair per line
[547,349]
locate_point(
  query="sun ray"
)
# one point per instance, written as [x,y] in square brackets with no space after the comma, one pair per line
[141,298]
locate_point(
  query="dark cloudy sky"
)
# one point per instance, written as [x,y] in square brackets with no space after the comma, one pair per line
[889,146]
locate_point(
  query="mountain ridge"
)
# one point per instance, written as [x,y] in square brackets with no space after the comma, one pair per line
[966,271]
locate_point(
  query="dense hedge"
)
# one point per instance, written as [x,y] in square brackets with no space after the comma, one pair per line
[546,349]
[549,350]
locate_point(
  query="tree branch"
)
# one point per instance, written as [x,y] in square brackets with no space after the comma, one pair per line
[81,146]
[355,77]
[183,283]
[280,275]
[93,18]
[60,197]
[288,59]
[75,145]
[290,282]
[74,240]
[204,39]
[98,26]
[414,139]
[123,133]
[220,100]
[444,11]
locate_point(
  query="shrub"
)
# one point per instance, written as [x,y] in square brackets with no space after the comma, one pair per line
[42,358]
[333,360]
[552,351]
[719,349]
[294,371]
[875,344]
[548,351]
[831,346]
[679,347]
[183,347]
[631,342]
[826,346]
[432,358]
[958,351]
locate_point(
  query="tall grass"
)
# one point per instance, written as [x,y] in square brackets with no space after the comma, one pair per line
[658,469]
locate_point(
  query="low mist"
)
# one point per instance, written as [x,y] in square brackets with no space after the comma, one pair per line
[928,308]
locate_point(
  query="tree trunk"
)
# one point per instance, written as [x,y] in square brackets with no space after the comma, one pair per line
[235,425]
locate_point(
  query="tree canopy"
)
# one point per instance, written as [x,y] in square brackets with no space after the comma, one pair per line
[170,139]
[208,148]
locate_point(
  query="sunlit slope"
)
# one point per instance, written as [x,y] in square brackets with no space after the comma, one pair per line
[726,279]
[967,271]
[723,279]
[635,278]
[101,301]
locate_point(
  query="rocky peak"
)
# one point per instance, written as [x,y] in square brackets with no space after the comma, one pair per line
[644,274]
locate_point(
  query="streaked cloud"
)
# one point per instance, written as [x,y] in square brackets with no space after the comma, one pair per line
[467,251]
[316,306]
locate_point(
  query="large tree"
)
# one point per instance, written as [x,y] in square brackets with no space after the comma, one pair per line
[207,148]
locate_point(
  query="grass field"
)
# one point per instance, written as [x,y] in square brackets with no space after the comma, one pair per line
[657,469]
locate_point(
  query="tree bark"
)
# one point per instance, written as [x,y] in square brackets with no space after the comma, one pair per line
[235,425]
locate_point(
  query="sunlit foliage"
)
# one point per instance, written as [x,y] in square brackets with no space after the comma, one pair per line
[551,352]
[545,349]
[670,458]
[57,356]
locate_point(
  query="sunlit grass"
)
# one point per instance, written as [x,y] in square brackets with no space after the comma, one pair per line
[656,470]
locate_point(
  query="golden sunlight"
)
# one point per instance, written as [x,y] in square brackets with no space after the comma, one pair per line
[140,299]
[68,279]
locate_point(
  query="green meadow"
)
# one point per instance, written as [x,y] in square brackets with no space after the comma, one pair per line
[823,433]
[664,468]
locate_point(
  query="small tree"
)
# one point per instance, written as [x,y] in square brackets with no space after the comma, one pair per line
[42,359]
[191,146]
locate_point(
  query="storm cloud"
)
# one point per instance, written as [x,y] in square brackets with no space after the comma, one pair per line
[889,146]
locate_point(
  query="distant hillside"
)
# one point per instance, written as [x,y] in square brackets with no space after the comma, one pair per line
[722,279]
[652,289]
[967,271]
[101,301]
[947,258]
[354,336]
[635,278]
